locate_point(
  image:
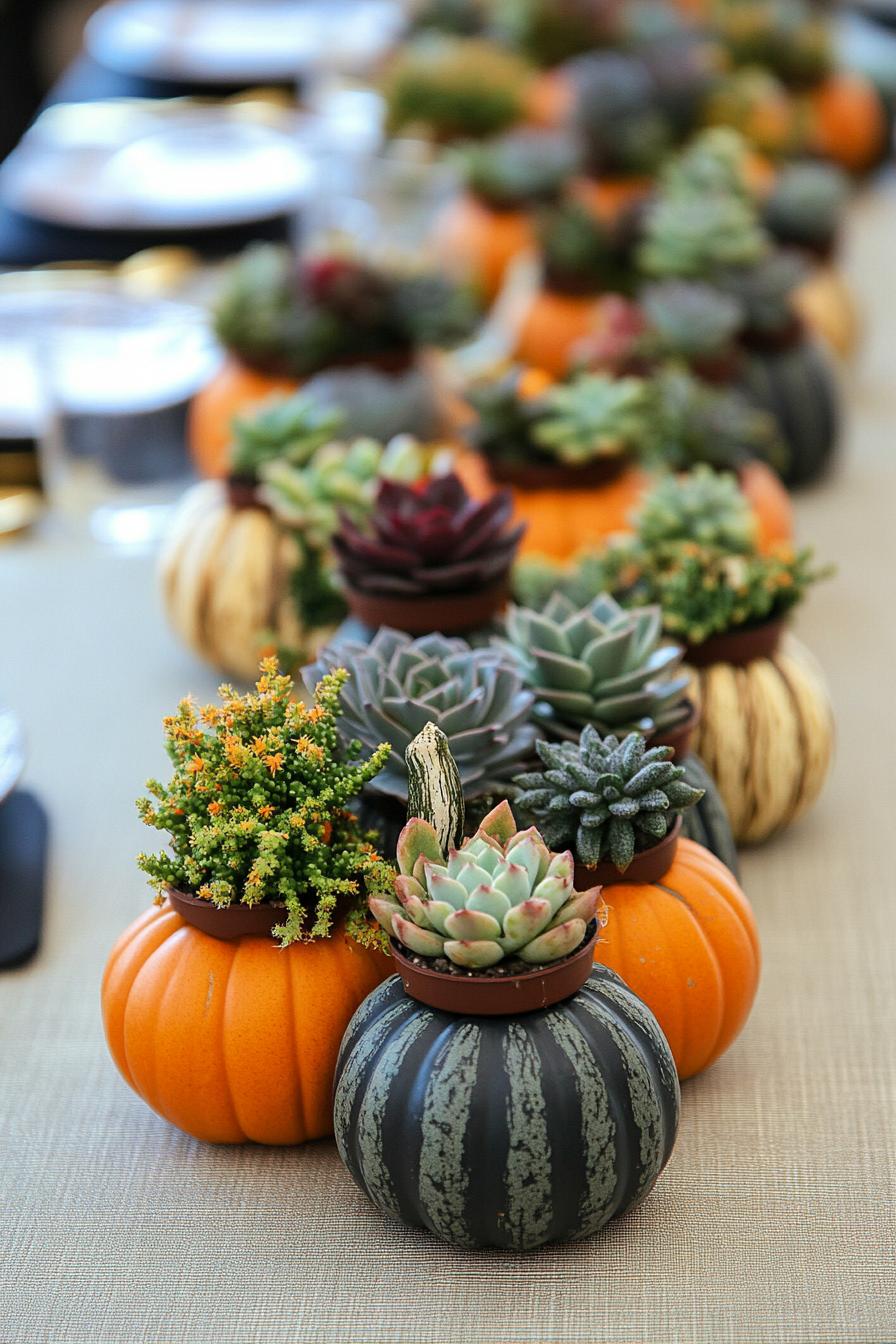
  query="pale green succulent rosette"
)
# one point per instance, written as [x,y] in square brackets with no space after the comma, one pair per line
[501,894]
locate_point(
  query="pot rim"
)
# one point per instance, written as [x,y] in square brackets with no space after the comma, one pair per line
[558,475]
[391,362]
[739,646]
[242,492]
[679,736]
[449,613]
[498,996]
[226,922]
[647,867]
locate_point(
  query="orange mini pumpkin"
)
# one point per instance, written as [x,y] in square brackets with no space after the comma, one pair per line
[688,946]
[552,325]
[611,197]
[477,243]
[233,1041]
[849,124]
[234,389]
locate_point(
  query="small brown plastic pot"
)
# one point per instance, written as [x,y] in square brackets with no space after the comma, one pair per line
[651,865]
[449,613]
[242,492]
[737,647]
[558,475]
[498,996]
[679,736]
[230,921]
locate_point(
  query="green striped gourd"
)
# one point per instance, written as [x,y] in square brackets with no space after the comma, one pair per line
[707,821]
[796,385]
[506,1131]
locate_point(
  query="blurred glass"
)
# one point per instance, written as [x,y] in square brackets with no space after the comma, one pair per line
[106,377]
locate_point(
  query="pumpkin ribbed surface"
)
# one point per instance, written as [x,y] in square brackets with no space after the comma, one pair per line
[766,736]
[232,1041]
[506,1131]
[688,946]
[233,391]
[225,575]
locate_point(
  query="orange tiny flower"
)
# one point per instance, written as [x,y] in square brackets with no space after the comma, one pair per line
[533,382]
[196,765]
[314,714]
[267,811]
[259,745]
[215,808]
[274,761]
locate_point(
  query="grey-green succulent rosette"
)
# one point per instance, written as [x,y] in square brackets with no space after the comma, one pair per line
[606,799]
[476,696]
[598,664]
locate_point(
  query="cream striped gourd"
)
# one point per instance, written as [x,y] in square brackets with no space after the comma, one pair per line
[766,736]
[506,1131]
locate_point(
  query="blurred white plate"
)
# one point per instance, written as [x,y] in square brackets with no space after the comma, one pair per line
[240,41]
[136,165]
[12,752]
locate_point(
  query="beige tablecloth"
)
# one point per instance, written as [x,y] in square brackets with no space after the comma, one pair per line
[775,1218]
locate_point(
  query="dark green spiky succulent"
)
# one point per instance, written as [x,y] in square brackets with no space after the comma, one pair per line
[690,320]
[593,416]
[454,87]
[579,254]
[806,205]
[518,169]
[702,505]
[597,664]
[604,798]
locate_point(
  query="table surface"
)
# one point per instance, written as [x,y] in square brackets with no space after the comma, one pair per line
[775,1218]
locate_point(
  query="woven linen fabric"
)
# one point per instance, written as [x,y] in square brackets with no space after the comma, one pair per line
[775,1218]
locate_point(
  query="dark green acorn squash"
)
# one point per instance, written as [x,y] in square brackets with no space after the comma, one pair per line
[796,385]
[707,822]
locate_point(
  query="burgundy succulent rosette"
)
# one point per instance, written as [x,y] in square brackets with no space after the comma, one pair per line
[429,553]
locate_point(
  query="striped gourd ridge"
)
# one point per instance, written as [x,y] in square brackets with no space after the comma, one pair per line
[707,821]
[253,1026]
[506,1131]
[796,385]
[766,736]
[688,946]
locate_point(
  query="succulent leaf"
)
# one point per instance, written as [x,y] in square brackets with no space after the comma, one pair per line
[417,840]
[637,793]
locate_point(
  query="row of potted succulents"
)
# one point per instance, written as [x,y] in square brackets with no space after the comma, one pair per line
[636,78]
[525,1006]
[467,897]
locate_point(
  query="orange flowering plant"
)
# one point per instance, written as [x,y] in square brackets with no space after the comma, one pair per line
[258,806]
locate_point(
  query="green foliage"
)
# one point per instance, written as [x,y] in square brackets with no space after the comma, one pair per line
[695,236]
[764,291]
[502,894]
[593,416]
[788,37]
[598,664]
[550,32]
[518,169]
[690,320]
[295,317]
[579,254]
[693,422]
[287,429]
[604,798]
[616,114]
[256,806]
[713,164]
[701,505]
[702,587]
[454,87]
[504,429]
